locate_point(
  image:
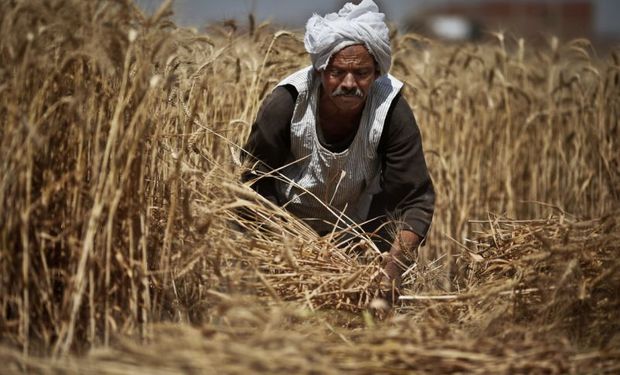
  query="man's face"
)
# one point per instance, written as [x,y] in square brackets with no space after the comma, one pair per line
[348,77]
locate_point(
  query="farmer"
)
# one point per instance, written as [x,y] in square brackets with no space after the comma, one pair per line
[337,144]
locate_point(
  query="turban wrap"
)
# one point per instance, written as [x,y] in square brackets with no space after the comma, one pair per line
[353,24]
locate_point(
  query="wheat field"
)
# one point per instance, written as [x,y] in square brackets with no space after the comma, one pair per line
[123,250]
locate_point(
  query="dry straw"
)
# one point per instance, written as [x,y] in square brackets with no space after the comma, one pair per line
[542,299]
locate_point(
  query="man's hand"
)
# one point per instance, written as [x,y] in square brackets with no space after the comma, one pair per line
[401,255]
[389,283]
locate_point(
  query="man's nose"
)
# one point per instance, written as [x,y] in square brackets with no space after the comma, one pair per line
[349,81]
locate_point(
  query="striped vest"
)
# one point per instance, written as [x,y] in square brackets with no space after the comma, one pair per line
[326,188]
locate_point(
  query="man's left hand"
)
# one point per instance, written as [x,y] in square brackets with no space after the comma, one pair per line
[391,279]
[396,262]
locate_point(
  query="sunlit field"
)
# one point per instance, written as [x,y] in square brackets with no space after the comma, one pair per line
[128,244]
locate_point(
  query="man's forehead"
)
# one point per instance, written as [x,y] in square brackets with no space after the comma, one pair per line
[357,54]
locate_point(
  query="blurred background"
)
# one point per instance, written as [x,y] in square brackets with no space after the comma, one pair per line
[452,20]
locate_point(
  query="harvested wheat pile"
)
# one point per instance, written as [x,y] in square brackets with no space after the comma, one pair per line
[524,311]
[560,276]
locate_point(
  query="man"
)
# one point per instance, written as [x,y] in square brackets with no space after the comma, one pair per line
[336,143]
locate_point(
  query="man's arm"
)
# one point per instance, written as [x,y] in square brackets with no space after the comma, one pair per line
[269,141]
[407,186]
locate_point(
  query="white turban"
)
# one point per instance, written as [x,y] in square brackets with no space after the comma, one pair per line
[353,24]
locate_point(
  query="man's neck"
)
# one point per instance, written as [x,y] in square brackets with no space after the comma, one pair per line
[336,123]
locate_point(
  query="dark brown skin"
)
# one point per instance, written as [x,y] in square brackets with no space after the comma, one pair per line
[402,253]
[350,69]
[353,69]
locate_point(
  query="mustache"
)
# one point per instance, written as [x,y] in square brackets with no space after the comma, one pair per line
[340,91]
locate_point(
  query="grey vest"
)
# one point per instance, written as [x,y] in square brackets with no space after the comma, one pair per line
[326,188]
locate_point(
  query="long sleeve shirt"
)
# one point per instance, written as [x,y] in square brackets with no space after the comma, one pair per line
[407,190]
